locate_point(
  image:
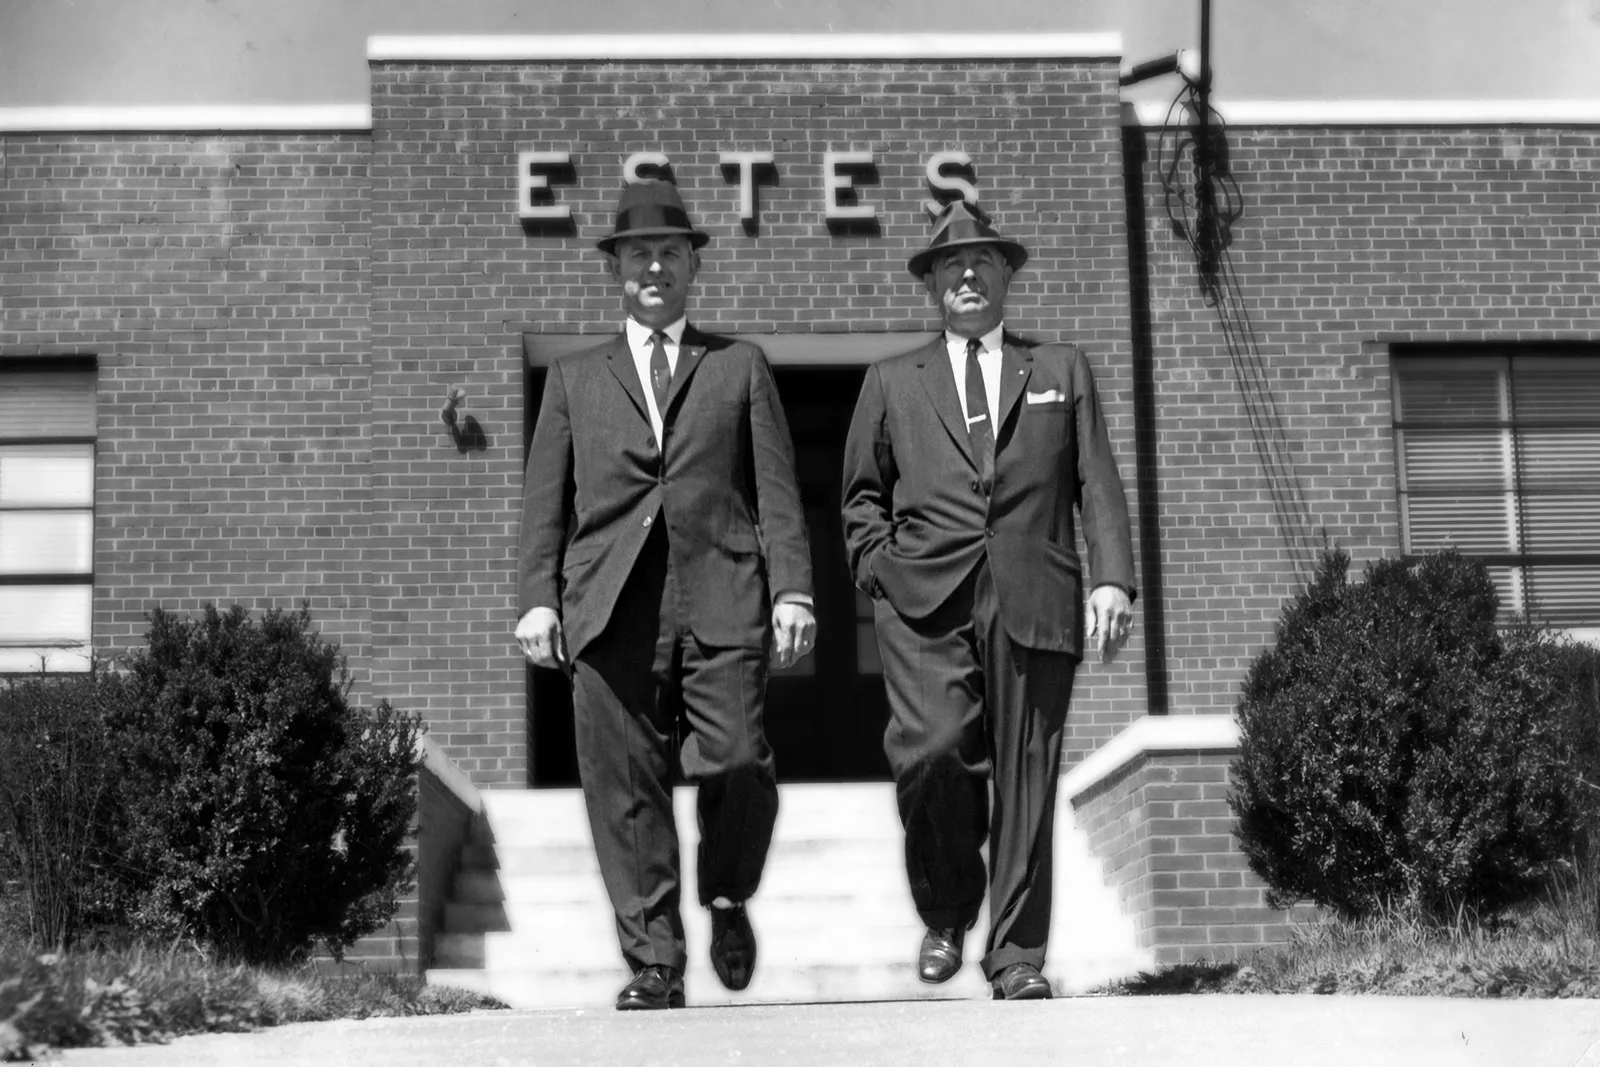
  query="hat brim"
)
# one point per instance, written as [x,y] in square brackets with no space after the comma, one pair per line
[921,263]
[696,239]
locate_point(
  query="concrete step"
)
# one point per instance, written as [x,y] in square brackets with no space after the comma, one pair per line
[543,918]
[827,810]
[812,858]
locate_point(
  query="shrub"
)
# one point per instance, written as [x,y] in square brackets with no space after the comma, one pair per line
[265,813]
[58,806]
[1577,672]
[1397,751]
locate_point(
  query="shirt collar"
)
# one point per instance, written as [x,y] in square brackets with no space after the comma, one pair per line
[639,336]
[992,341]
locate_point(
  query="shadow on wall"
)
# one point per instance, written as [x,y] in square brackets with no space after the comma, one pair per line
[466,431]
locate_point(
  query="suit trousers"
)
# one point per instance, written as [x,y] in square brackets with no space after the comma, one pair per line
[649,701]
[968,707]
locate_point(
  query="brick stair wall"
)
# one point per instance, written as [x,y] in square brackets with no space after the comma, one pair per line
[1154,803]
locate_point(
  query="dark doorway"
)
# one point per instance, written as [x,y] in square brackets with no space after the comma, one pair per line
[826,715]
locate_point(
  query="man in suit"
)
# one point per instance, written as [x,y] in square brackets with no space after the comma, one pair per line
[964,463]
[663,557]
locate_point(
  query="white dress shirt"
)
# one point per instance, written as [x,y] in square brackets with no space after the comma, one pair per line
[640,345]
[988,364]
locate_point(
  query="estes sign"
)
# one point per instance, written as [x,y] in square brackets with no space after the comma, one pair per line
[537,170]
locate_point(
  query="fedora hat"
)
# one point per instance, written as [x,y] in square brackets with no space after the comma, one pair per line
[651,208]
[961,223]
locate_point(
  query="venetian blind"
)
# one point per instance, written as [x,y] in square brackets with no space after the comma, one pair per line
[1499,456]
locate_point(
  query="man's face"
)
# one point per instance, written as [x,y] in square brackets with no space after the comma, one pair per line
[969,284]
[655,273]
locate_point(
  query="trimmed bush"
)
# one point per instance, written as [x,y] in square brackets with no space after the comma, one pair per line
[1398,752]
[58,807]
[1577,673]
[264,813]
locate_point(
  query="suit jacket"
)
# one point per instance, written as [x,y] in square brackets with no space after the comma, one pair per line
[596,484]
[916,519]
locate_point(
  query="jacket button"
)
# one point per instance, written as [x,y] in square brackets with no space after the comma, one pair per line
[647,522]
[975,485]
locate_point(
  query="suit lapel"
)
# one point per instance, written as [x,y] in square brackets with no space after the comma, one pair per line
[620,360]
[691,349]
[941,388]
[1016,365]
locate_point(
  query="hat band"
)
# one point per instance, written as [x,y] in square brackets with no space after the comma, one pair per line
[651,217]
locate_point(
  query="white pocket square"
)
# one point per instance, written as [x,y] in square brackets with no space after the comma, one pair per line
[1049,396]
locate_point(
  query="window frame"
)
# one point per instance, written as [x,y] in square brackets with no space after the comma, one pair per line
[66,364]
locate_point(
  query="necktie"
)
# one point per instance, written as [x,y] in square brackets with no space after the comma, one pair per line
[979,430]
[660,373]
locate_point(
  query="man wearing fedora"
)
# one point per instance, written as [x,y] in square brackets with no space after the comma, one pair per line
[663,562]
[965,461]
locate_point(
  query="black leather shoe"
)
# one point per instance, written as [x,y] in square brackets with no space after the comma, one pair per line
[940,956]
[652,989]
[1021,981]
[733,946]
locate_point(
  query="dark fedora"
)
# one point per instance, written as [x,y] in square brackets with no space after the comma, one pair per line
[651,208]
[961,223]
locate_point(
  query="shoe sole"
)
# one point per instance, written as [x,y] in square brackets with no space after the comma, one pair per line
[1027,994]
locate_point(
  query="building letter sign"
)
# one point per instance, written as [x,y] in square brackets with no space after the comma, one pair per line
[534,170]
[844,173]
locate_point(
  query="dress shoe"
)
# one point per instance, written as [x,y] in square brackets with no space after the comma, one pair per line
[940,956]
[733,946]
[653,988]
[1021,981]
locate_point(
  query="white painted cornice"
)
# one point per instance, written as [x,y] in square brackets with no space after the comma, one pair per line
[1379,113]
[186,118]
[1148,736]
[704,46]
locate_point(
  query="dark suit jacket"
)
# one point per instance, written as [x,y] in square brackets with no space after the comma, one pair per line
[915,517]
[596,484]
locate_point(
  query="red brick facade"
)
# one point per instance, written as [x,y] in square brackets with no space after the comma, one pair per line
[1351,240]
[222,283]
[277,318]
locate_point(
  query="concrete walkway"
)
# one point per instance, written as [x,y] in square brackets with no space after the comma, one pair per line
[1193,1031]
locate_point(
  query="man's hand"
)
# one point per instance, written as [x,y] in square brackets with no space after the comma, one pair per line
[794,631]
[1110,619]
[539,634]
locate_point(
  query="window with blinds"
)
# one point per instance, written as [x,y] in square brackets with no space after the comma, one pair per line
[1499,457]
[47,435]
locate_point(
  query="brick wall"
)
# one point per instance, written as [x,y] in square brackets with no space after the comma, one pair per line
[1162,826]
[456,281]
[1350,240]
[221,282]
[444,823]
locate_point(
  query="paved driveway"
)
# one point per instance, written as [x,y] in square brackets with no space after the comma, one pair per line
[1193,1031]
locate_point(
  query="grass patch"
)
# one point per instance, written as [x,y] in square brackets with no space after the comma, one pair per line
[140,995]
[1545,949]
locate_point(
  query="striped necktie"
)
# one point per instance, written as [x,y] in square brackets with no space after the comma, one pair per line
[660,372]
[980,431]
